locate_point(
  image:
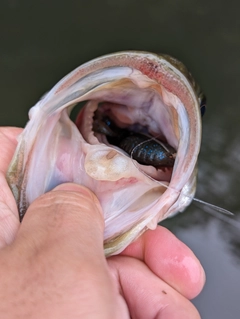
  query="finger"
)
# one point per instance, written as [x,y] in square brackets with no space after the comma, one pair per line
[71,215]
[169,259]
[8,138]
[8,141]
[146,294]
[9,221]
[60,246]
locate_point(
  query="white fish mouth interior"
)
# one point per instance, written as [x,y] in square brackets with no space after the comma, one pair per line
[134,102]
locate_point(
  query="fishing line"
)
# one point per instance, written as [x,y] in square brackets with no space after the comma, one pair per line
[152,138]
[212,206]
[233,222]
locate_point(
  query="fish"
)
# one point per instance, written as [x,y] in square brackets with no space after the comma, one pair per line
[141,93]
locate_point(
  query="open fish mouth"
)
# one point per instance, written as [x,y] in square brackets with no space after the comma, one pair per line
[135,142]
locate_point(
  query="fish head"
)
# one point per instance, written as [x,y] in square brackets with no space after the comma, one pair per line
[138,91]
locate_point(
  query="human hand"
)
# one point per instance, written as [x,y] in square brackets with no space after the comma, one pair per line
[53,264]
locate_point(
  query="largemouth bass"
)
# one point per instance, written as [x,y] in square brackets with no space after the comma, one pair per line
[127,94]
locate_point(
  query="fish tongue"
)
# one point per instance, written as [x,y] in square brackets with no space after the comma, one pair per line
[104,163]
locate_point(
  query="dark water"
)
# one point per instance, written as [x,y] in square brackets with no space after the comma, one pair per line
[41,41]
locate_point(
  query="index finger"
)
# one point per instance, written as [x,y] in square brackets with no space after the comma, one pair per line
[170,259]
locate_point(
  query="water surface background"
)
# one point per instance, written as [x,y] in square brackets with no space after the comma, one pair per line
[41,41]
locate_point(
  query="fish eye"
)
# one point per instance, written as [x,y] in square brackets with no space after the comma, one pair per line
[203,102]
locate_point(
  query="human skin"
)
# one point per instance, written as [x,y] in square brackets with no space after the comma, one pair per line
[53,263]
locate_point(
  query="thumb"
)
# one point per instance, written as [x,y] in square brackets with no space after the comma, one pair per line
[58,255]
[70,216]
